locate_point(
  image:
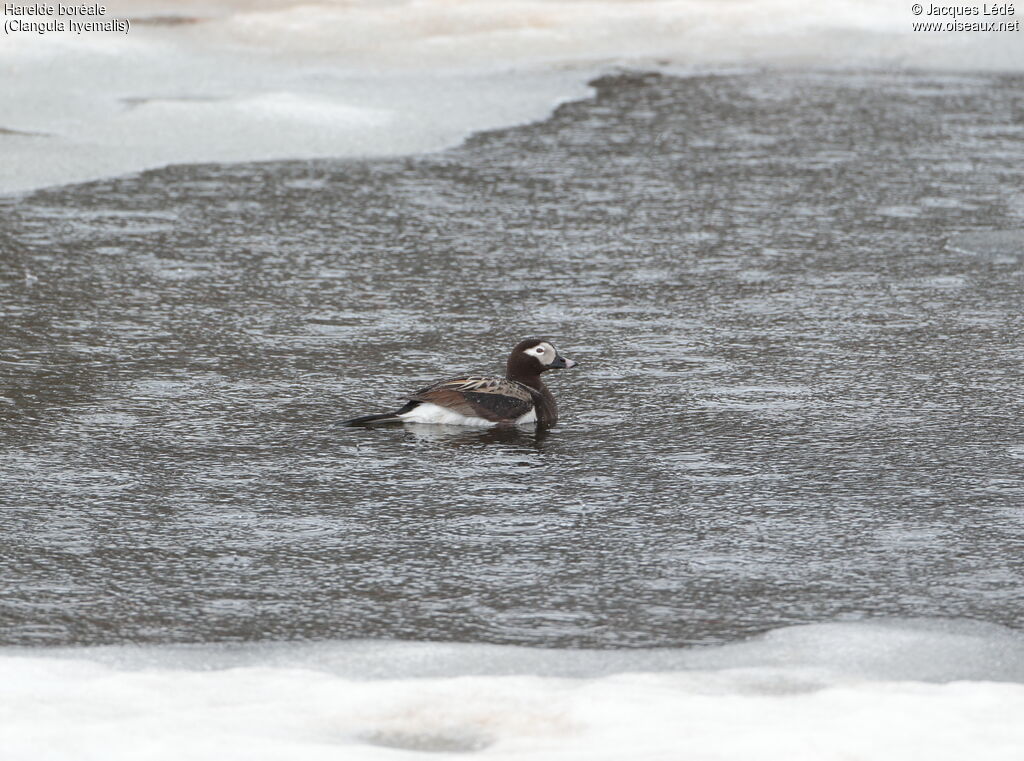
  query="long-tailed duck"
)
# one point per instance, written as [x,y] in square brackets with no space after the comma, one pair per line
[520,397]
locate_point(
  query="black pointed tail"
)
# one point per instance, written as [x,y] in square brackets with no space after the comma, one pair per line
[386,417]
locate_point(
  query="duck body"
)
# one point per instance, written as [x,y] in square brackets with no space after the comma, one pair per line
[478,400]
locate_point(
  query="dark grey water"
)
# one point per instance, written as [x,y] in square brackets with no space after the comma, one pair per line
[796,300]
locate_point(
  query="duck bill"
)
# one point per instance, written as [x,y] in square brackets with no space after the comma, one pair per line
[561,363]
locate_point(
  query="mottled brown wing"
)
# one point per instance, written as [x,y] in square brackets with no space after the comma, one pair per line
[494,399]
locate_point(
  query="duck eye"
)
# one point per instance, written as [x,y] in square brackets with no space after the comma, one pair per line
[539,350]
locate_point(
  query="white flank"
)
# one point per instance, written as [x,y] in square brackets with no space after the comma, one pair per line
[529,417]
[426,412]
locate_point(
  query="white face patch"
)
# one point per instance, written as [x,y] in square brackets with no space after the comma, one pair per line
[543,351]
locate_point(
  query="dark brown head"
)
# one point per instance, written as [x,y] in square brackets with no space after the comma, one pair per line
[532,357]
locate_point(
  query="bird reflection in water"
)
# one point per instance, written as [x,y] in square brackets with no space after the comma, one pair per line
[460,435]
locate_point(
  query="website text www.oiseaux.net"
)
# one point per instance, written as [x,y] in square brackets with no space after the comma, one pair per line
[965,18]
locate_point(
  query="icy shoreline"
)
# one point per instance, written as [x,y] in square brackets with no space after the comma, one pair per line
[194,83]
[935,689]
